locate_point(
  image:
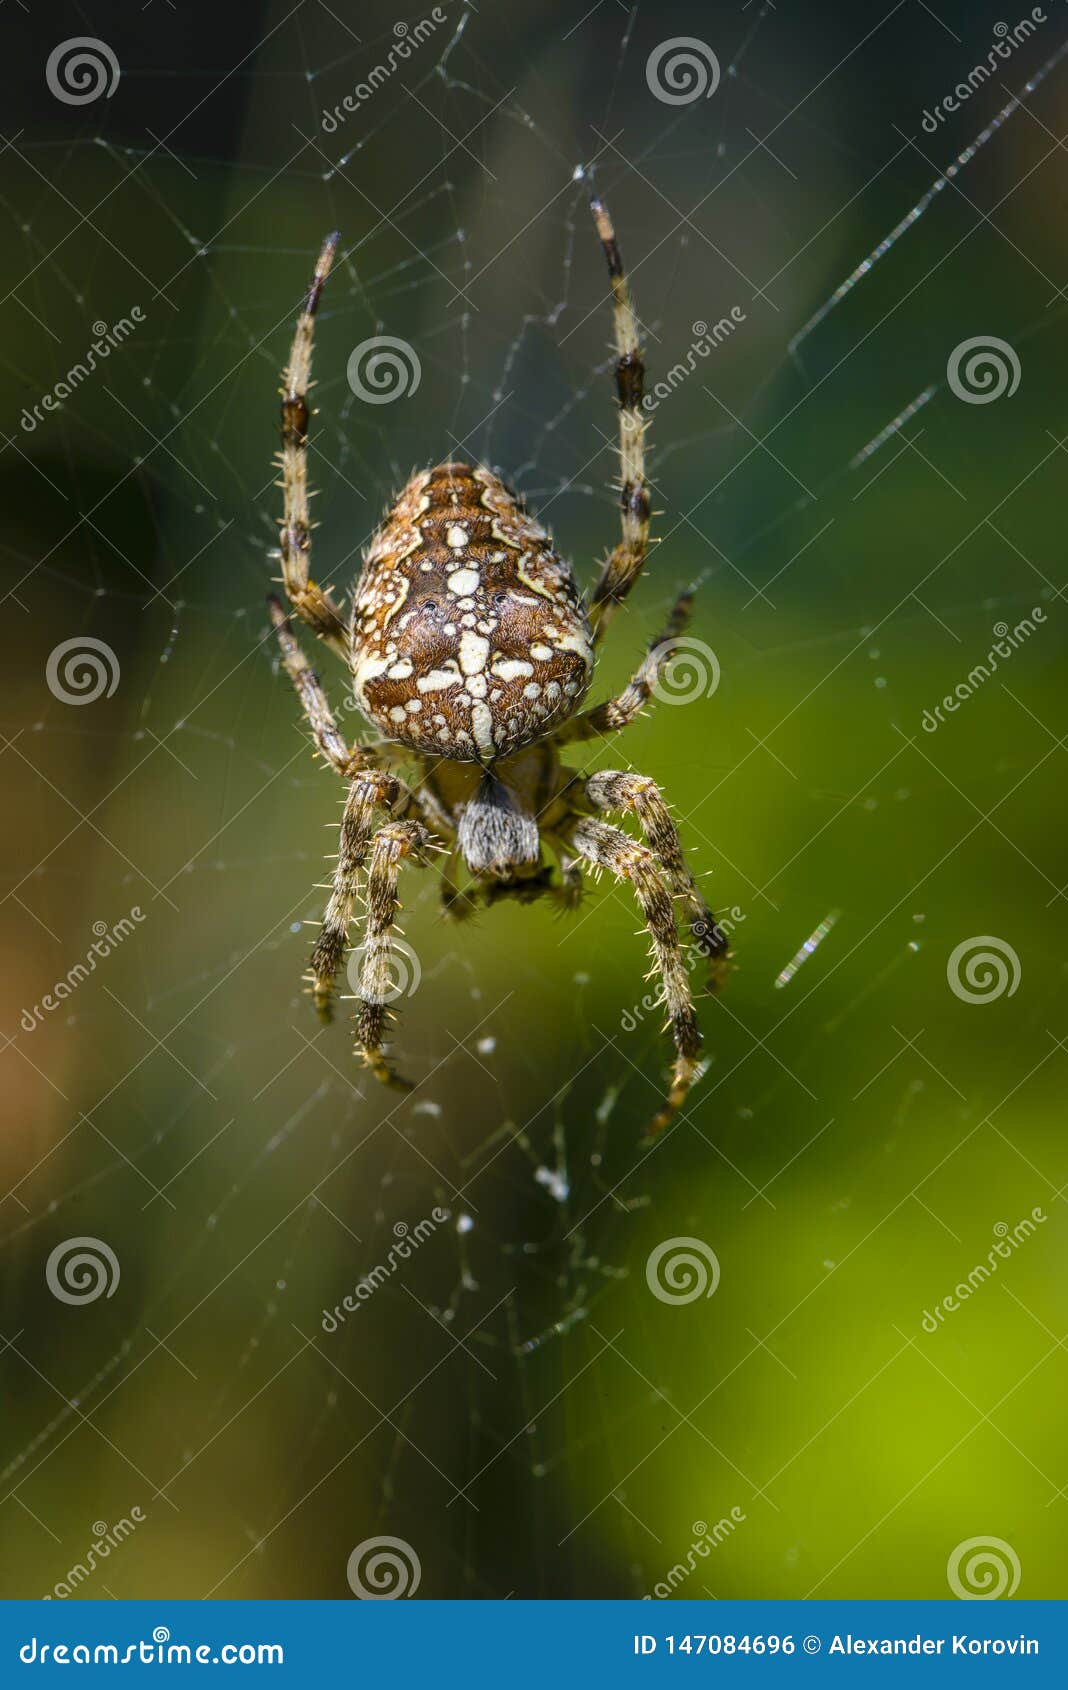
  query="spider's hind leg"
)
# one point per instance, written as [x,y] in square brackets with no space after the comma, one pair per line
[641,797]
[611,848]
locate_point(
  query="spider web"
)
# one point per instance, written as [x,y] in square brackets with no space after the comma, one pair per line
[514,1401]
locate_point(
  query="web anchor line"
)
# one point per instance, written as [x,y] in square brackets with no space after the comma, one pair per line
[925,201]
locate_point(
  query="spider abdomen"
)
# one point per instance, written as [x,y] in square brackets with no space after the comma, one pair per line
[469,635]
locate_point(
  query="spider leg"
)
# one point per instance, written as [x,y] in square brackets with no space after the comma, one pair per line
[637,795]
[309,689]
[390,846]
[369,790]
[619,712]
[311,603]
[611,848]
[624,565]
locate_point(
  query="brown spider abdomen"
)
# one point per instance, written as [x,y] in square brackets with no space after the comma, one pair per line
[469,636]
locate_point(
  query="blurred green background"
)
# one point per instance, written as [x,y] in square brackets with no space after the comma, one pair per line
[515,1403]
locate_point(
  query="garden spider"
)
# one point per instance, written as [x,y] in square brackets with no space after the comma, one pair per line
[470,650]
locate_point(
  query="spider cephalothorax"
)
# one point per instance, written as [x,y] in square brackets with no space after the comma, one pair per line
[471,649]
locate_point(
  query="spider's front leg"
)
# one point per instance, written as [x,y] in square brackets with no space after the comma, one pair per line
[311,603]
[624,565]
[391,845]
[609,847]
[637,795]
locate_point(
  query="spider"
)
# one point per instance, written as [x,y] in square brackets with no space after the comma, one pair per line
[471,649]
